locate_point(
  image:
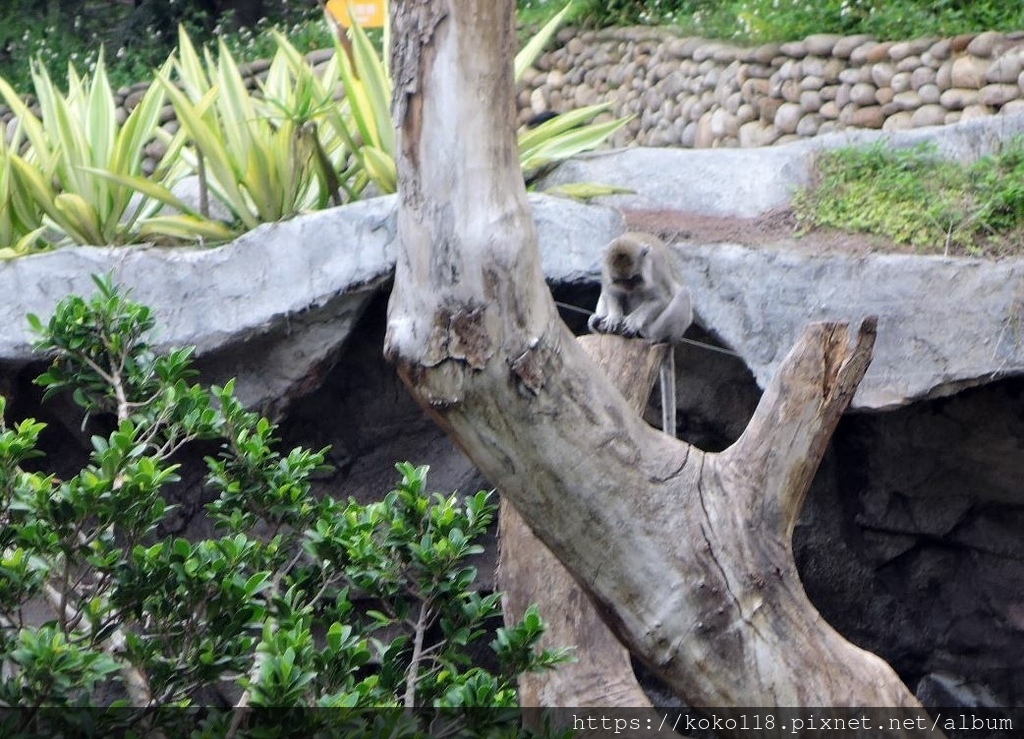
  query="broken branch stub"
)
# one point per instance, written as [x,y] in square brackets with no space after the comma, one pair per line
[783,444]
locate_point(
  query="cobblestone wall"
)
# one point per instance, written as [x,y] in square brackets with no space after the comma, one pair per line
[693,92]
[696,93]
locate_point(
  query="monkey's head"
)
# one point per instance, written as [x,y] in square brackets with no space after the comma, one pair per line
[625,261]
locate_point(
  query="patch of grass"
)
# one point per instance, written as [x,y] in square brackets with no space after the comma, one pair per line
[759,21]
[915,196]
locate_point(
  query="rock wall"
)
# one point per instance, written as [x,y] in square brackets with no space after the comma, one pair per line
[696,93]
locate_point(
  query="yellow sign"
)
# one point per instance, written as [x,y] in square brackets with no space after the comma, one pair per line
[367,13]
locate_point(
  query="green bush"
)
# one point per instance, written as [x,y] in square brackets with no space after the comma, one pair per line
[915,196]
[266,608]
[139,36]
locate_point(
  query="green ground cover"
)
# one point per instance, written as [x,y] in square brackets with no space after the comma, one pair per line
[915,196]
[758,21]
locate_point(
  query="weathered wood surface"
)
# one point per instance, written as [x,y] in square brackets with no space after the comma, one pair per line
[687,555]
[528,573]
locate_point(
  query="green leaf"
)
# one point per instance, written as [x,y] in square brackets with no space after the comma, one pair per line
[23,245]
[35,184]
[586,190]
[571,143]
[381,168]
[138,129]
[529,53]
[190,69]
[27,120]
[143,185]
[360,106]
[376,83]
[256,583]
[186,228]
[79,218]
[531,138]
[101,125]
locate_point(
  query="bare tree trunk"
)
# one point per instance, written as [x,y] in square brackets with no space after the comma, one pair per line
[528,573]
[688,553]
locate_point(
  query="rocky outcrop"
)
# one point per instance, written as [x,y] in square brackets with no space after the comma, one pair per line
[273,306]
[294,288]
[944,324]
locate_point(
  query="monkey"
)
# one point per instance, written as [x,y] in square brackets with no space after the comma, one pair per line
[643,295]
[641,292]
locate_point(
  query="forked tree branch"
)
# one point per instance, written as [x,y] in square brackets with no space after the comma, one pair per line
[687,554]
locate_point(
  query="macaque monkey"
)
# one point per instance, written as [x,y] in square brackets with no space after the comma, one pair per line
[642,295]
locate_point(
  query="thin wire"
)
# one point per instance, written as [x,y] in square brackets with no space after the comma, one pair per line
[709,347]
[875,371]
[701,344]
[576,308]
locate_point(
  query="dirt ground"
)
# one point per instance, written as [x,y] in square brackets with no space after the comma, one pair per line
[776,229]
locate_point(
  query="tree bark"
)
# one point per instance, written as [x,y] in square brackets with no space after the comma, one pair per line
[528,573]
[688,554]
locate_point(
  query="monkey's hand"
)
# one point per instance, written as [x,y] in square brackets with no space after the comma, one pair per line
[633,325]
[605,324]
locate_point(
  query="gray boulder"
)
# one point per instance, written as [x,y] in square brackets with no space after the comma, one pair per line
[286,294]
[745,183]
[943,324]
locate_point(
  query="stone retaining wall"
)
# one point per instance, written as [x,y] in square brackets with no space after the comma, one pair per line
[692,92]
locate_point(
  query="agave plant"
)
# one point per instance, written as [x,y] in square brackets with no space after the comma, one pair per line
[21,218]
[294,92]
[83,170]
[261,166]
[365,120]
